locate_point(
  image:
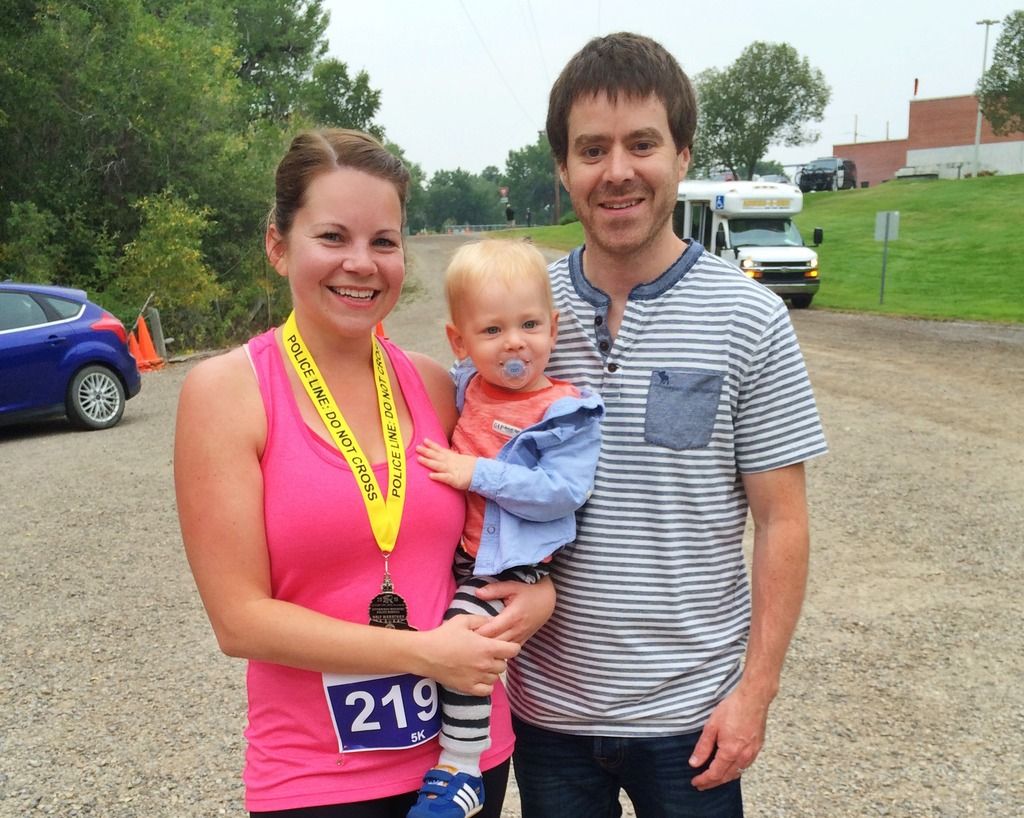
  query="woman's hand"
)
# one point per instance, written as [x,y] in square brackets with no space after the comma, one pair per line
[527,608]
[459,657]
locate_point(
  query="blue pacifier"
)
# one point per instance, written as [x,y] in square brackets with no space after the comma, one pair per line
[513,369]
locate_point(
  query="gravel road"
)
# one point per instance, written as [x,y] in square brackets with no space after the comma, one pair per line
[902,695]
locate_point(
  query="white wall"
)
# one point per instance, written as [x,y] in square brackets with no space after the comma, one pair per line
[1004,158]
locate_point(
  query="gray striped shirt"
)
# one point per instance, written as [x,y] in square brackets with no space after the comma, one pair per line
[704,381]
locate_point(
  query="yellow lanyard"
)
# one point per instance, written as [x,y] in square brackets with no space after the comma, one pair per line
[385,516]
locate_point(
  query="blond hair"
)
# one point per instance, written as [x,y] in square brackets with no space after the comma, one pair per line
[502,260]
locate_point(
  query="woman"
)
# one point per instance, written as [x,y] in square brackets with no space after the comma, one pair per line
[321,550]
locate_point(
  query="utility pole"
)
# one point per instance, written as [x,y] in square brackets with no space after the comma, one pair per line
[558,195]
[558,182]
[977,129]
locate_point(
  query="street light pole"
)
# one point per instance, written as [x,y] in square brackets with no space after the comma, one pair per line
[977,129]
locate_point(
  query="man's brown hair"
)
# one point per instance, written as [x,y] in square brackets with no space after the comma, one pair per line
[628,64]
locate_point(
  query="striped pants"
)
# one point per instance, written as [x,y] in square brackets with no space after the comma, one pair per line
[466,720]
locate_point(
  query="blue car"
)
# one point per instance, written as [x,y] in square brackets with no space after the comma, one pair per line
[61,354]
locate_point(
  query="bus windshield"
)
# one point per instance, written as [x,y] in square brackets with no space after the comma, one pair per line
[779,232]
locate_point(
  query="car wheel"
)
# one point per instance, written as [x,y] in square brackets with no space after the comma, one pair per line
[801,302]
[95,398]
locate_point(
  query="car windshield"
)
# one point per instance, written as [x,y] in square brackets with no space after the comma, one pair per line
[779,232]
[821,164]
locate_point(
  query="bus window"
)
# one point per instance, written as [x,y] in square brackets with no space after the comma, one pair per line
[700,223]
[679,220]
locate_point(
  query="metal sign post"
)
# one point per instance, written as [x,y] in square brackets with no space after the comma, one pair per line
[887,228]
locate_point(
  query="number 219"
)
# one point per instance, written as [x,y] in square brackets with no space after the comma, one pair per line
[424,694]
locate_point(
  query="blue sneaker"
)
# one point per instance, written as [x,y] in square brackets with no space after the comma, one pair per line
[447,793]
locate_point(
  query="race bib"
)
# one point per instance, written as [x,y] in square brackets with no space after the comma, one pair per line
[382,712]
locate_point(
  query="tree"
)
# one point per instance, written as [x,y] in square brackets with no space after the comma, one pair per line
[416,207]
[286,73]
[332,99]
[530,176]
[766,97]
[277,47]
[491,174]
[108,102]
[460,197]
[166,257]
[767,167]
[32,254]
[108,105]
[1001,89]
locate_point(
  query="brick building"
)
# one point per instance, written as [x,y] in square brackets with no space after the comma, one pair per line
[939,143]
[877,162]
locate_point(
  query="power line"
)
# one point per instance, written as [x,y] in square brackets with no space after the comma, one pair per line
[536,39]
[497,67]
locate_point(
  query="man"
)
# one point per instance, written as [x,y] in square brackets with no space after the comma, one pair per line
[657,669]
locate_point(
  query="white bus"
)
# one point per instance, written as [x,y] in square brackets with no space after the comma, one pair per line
[750,224]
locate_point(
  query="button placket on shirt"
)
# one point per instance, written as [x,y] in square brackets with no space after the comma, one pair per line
[610,383]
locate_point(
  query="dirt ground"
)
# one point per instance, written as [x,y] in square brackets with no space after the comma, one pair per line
[902,695]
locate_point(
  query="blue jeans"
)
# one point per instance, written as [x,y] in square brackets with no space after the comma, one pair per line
[566,776]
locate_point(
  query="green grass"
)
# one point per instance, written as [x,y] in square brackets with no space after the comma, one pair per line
[960,252]
[560,237]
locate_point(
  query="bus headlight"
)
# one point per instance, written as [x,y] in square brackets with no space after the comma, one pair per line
[812,268]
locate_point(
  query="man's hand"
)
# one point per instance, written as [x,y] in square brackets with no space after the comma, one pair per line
[734,734]
[527,608]
[446,466]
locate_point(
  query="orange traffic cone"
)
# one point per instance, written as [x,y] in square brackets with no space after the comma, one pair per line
[133,347]
[146,347]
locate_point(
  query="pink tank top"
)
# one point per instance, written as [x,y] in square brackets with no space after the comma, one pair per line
[323,556]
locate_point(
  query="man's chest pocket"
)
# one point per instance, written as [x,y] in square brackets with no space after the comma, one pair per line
[681,407]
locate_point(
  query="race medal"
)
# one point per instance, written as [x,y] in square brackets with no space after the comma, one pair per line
[388,609]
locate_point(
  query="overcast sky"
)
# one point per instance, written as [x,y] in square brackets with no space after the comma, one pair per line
[463,82]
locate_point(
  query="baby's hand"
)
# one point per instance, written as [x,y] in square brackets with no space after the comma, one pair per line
[448,467]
